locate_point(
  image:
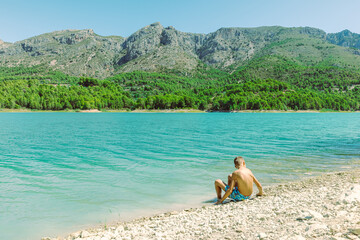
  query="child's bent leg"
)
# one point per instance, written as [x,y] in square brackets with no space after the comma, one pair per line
[218,186]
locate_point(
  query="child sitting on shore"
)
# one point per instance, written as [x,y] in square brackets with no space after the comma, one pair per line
[240,183]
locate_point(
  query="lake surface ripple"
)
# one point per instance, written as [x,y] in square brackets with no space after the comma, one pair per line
[61,172]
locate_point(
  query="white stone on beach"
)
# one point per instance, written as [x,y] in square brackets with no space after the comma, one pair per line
[341,213]
[317,226]
[84,234]
[353,194]
[297,237]
[75,235]
[262,235]
[261,216]
[315,215]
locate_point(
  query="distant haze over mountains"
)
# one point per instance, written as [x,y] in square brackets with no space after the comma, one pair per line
[158,49]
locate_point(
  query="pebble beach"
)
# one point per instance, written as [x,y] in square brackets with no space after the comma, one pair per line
[321,207]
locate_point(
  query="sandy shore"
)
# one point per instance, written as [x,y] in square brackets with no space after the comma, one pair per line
[324,207]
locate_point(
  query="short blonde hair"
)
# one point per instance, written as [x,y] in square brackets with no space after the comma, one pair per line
[239,160]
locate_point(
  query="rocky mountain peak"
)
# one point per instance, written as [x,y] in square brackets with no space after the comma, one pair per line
[154,47]
[152,28]
[313,32]
[227,32]
[73,36]
[346,32]
[345,38]
[4,45]
[170,28]
[142,42]
[156,24]
[169,36]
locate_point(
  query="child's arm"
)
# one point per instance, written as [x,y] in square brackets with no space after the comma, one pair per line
[258,185]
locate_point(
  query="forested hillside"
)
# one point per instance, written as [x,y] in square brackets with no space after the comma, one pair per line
[266,83]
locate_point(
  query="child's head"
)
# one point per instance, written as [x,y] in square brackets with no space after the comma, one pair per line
[239,162]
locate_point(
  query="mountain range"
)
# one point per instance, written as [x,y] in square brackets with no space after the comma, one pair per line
[155,48]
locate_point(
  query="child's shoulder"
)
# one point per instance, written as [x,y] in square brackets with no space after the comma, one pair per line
[246,171]
[242,171]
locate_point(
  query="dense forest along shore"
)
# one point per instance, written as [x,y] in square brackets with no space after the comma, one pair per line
[25,110]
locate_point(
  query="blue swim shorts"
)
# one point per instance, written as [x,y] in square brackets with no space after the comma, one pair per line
[236,195]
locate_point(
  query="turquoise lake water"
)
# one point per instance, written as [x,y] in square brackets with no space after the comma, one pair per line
[62,172]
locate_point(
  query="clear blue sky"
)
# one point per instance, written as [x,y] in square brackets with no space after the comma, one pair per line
[21,19]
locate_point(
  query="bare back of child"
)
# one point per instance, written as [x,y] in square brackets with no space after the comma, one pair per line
[240,183]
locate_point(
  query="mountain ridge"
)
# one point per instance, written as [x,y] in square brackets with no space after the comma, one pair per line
[156,48]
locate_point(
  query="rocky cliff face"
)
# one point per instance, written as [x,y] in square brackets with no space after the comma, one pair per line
[77,52]
[3,46]
[227,46]
[155,48]
[345,39]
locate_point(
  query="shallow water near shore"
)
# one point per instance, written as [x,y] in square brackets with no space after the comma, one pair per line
[61,172]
